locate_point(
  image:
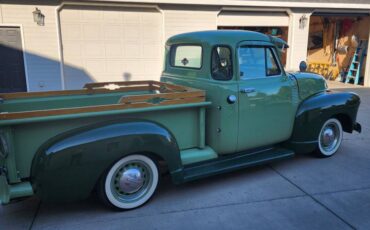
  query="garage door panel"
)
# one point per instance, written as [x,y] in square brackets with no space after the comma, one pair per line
[113,49]
[243,18]
[72,31]
[93,49]
[151,66]
[134,67]
[92,32]
[113,16]
[72,50]
[151,34]
[70,15]
[92,15]
[132,51]
[113,32]
[150,19]
[131,18]
[116,67]
[150,51]
[95,66]
[110,43]
[76,61]
[132,32]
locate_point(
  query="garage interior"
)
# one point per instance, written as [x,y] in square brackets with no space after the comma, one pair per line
[271,23]
[337,46]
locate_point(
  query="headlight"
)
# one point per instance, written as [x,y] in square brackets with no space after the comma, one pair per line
[4,150]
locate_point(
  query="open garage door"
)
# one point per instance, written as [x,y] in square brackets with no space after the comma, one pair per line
[110,44]
[338,44]
[272,23]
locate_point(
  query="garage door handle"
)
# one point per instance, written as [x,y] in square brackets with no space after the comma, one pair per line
[248,90]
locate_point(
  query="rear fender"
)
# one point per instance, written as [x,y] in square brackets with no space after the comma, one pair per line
[68,166]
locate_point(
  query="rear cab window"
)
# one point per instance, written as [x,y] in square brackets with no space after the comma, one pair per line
[186,56]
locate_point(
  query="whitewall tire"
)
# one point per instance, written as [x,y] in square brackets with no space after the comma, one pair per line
[130,182]
[330,138]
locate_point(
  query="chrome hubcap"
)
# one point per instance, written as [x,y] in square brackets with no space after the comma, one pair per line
[131,180]
[330,137]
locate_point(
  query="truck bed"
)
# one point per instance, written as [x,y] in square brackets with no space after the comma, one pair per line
[96,97]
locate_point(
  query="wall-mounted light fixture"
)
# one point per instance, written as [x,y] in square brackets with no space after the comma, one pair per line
[303,21]
[38,17]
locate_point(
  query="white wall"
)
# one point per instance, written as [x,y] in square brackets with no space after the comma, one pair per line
[40,44]
[298,39]
[187,19]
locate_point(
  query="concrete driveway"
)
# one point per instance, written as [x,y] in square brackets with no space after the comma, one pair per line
[301,193]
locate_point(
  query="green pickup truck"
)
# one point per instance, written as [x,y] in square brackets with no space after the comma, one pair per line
[224,102]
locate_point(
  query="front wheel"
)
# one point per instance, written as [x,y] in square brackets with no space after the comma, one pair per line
[330,138]
[129,183]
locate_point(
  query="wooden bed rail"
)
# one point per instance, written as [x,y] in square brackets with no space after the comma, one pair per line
[166,94]
[101,87]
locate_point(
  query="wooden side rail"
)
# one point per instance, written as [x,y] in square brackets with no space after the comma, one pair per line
[163,97]
[168,95]
[101,87]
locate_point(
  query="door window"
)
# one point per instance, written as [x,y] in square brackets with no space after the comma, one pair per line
[257,62]
[272,67]
[221,67]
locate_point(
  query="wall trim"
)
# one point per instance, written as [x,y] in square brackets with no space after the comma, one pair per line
[23,50]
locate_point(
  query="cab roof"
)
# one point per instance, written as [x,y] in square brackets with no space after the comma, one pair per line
[230,37]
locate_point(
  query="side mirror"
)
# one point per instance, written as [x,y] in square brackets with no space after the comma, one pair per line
[303,66]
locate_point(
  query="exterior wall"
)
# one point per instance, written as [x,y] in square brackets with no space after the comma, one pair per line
[42,49]
[298,39]
[186,19]
[40,44]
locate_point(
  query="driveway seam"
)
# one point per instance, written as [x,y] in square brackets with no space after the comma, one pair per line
[313,198]
[35,215]
[340,191]
[189,210]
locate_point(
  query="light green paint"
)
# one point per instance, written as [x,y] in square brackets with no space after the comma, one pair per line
[190,156]
[8,192]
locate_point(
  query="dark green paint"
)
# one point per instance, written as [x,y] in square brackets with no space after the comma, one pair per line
[315,110]
[70,164]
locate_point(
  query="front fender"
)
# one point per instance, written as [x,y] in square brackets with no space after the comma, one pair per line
[315,110]
[68,166]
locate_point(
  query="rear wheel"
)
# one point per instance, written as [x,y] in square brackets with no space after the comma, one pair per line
[330,138]
[129,183]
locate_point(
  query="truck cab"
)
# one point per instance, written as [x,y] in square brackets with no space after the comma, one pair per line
[253,99]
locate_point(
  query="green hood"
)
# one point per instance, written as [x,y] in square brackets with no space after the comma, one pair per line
[309,84]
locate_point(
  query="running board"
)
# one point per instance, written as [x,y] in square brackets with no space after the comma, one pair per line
[234,162]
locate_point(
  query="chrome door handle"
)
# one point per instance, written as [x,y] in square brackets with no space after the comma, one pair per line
[248,90]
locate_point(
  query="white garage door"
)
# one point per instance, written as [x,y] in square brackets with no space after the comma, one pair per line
[243,18]
[110,44]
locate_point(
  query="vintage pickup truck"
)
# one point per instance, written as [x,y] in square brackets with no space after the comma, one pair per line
[224,102]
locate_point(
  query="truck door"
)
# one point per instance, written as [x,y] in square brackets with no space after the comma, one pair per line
[268,98]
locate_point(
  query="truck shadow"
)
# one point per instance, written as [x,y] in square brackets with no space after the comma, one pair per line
[21,70]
